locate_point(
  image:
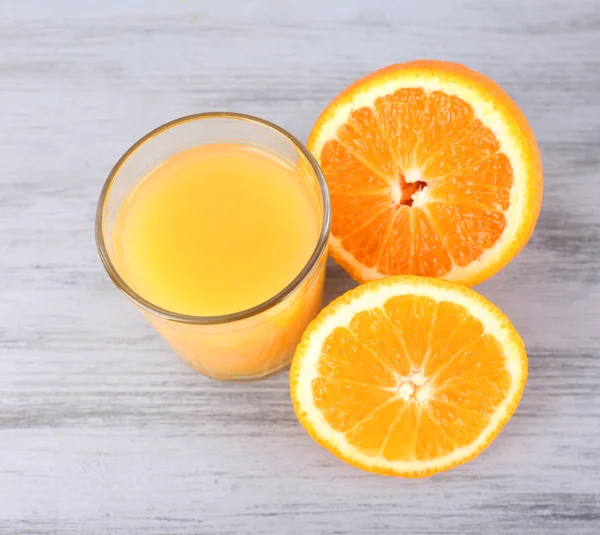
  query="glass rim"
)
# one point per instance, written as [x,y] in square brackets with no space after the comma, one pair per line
[148,306]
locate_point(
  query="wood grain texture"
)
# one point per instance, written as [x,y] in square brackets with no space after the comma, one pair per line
[103,430]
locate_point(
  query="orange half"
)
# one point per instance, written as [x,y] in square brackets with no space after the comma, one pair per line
[433,170]
[408,376]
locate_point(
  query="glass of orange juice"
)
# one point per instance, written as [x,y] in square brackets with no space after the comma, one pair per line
[215,226]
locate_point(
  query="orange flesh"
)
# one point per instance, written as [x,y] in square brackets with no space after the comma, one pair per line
[364,367]
[467,182]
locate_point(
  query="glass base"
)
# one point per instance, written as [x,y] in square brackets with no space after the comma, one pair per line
[236,379]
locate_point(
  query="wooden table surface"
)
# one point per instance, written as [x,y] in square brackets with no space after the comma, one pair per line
[104,430]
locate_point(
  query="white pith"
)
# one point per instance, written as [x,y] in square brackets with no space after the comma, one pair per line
[417,387]
[412,386]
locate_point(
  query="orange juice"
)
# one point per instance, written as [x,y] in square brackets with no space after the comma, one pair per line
[216,229]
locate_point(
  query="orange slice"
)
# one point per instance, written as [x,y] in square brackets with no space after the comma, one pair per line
[408,376]
[432,169]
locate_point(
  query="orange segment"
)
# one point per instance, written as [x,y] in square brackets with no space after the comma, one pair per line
[351,216]
[370,236]
[474,230]
[342,360]
[462,151]
[400,440]
[405,140]
[430,253]
[420,312]
[445,122]
[346,174]
[408,375]
[486,185]
[398,259]
[397,115]
[343,406]
[383,340]
[362,137]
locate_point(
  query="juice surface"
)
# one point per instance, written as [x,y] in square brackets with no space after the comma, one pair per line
[216,229]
